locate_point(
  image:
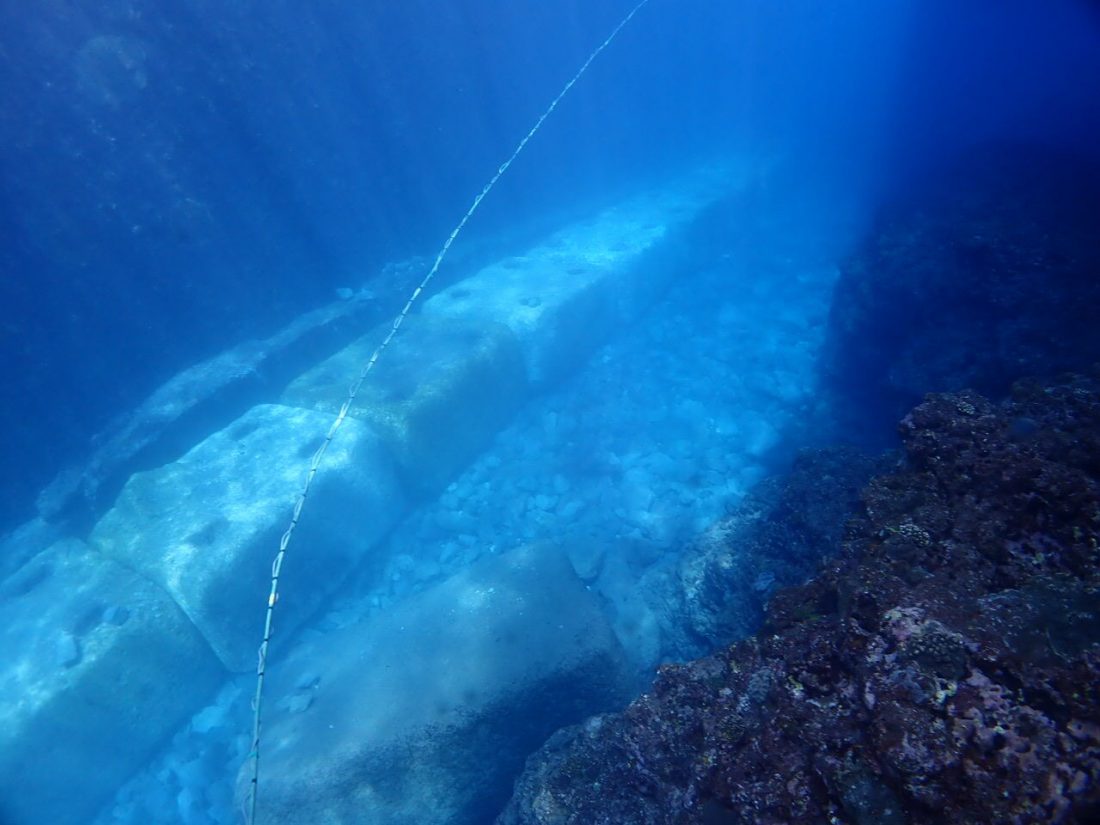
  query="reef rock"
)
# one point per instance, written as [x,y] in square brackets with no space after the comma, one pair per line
[775,537]
[943,668]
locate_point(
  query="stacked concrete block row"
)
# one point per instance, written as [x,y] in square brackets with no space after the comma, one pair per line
[443,389]
[566,295]
[99,664]
[424,715]
[206,527]
[121,638]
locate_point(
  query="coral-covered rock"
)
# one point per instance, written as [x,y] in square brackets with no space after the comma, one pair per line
[775,537]
[943,668]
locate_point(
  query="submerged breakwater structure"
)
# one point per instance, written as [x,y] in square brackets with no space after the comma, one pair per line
[153,610]
[600,511]
[170,574]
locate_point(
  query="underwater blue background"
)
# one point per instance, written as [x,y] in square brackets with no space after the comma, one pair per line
[179,177]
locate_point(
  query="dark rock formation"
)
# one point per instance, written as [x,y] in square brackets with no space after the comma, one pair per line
[988,271]
[777,536]
[943,668]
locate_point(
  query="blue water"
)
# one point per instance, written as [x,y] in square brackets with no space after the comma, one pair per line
[179,179]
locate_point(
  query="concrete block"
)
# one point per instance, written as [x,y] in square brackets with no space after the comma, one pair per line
[98,667]
[437,397]
[425,714]
[564,296]
[207,526]
[191,405]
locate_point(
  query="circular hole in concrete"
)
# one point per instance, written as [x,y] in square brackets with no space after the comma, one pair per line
[208,533]
[398,390]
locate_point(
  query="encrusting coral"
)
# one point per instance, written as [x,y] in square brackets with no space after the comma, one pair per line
[943,667]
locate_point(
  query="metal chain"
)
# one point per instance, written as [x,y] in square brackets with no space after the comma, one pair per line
[353,391]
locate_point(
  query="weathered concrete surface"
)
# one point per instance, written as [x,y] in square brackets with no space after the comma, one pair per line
[425,714]
[437,397]
[206,527]
[194,403]
[565,295]
[97,667]
[25,542]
